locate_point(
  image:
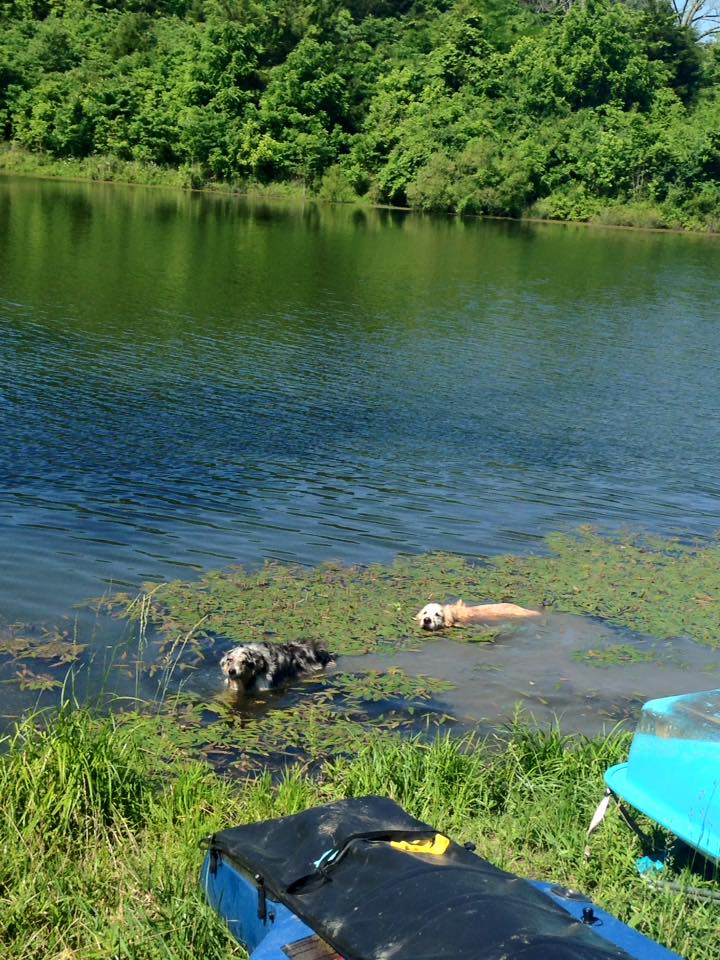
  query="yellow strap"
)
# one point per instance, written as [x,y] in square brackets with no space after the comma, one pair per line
[437,846]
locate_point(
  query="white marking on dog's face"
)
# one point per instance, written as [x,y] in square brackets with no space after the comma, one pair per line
[239,666]
[431,617]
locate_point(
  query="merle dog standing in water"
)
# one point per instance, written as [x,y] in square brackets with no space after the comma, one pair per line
[262,666]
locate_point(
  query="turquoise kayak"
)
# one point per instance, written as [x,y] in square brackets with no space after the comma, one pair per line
[672,774]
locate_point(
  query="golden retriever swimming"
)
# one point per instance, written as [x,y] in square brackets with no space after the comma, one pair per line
[435,616]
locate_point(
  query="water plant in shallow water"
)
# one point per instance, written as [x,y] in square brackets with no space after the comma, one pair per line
[615,655]
[29,680]
[325,719]
[56,645]
[661,587]
[353,609]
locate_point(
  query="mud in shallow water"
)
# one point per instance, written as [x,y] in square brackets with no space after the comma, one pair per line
[587,673]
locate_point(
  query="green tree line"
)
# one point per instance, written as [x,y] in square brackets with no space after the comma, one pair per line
[595,109]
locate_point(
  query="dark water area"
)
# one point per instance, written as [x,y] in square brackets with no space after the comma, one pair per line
[188,381]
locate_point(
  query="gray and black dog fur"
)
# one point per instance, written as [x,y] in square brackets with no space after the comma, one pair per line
[262,666]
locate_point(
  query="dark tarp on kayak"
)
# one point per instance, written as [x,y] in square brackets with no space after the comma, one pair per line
[376,902]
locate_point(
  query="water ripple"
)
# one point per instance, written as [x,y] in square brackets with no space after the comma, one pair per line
[185,384]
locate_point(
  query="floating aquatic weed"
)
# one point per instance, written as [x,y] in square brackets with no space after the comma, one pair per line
[666,588]
[483,635]
[377,686]
[660,587]
[615,655]
[36,681]
[335,717]
[353,609]
[27,642]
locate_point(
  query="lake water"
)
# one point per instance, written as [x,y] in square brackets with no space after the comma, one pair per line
[188,381]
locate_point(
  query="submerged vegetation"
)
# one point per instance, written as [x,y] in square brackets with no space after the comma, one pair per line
[338,714]
[100,820]
[661,587]
[579,111]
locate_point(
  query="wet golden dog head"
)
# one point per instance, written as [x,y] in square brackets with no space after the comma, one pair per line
[432,617]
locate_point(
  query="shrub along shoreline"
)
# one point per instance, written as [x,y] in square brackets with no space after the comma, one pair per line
[100,820]
[14,161]
[578,112]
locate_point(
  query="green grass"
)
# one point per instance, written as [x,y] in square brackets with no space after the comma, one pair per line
[15,160]
[19,162]
[645,216]
[100,820]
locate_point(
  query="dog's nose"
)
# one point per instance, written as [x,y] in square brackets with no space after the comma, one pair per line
[232,672]
[426,621]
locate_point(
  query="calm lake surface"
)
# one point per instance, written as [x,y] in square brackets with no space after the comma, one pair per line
[188,381]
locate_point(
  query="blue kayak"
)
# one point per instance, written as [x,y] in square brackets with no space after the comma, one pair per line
[673,772]
[362,880]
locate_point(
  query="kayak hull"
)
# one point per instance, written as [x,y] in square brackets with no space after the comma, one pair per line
[269,930]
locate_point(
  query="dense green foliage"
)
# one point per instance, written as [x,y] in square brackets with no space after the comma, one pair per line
[477,106]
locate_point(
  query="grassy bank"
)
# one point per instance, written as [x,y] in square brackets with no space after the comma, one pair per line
[100,821]
[15,160]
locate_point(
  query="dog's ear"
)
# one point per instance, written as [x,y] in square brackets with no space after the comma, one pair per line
[418,616]
[448,615]
[258,660]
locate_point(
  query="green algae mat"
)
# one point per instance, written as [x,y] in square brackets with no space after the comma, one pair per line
[665,588]
[661,588]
